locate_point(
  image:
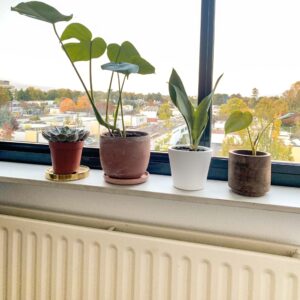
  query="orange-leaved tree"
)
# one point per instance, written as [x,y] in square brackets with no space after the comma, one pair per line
[67,105]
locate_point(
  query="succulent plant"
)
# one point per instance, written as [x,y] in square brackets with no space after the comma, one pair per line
[65,134]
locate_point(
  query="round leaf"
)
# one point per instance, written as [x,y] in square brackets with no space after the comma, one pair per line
[123,68]
[238,121]
[81,51]
[41,11]
[77,31]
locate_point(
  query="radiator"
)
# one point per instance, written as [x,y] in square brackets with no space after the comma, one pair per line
[42,260]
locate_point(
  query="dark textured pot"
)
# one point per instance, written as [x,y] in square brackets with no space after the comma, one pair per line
[125,158]
[249,175]
[65,157]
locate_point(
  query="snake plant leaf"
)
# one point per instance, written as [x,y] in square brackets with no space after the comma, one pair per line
[41,11]
[185,107]
[77,31]
[201,114]
[123,68]
[237,121]
[129,54]
[81,51]
[175,80]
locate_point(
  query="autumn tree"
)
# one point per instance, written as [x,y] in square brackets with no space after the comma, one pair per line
[232,105]
[292,96]
[164,111]
[67,105]
[5,96]
[83,104]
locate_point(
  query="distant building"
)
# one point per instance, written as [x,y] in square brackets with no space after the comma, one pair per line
[151,113]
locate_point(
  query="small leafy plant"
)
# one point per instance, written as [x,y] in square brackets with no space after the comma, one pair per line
[65,134]
[196,118]
[239,120]
[124,59]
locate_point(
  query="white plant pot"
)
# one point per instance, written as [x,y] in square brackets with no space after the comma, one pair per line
[189,169]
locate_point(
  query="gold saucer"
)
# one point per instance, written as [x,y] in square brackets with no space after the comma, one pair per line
[82,173]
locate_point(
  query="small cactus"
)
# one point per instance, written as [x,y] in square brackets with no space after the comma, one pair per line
[65,134]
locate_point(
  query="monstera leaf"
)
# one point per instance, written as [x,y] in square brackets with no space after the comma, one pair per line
[237,121]
[127,53]
[41,11]
[86,48]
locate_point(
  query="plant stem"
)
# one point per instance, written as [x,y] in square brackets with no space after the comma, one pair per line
[108,96]
[121,104]
[262,132]
[90,96]
[251,143]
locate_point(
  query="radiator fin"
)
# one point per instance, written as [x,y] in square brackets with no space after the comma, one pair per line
[49,261]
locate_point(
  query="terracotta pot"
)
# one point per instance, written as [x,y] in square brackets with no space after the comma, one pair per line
[65,156]
[189,168]
[125,158]
[249,175]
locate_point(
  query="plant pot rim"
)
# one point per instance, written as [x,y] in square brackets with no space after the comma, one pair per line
[248,153]
[173,148]
[143,134]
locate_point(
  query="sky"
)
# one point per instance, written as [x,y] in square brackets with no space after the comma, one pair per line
[256,43]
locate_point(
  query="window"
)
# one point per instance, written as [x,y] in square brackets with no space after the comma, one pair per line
[167,34]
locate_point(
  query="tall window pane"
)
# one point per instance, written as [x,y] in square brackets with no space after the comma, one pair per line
[38,87]
[257,48]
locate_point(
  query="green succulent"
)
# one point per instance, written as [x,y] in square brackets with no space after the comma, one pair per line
[65,134]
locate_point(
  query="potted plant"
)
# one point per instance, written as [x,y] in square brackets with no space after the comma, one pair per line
[124,154]
[249,171]
[66,148]
[190,163]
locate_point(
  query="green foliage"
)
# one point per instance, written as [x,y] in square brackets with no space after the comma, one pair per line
[164,111]
[41,11]
[86,49]
[196,118]
[238,121]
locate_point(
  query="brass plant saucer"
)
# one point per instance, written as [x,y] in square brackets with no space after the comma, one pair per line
[82,173]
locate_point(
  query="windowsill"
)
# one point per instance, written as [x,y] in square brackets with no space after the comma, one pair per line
[278,199]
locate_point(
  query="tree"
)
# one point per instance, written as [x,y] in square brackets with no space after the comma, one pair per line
[83,104]
[220,99]
[67,105]
[292,96]
[270,108]
[5,96]
[232,105]
[164,111]
[254,97]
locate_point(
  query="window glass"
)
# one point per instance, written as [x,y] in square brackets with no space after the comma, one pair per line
[257,48]
[38,87]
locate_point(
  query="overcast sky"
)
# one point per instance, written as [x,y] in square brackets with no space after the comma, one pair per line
[256,43]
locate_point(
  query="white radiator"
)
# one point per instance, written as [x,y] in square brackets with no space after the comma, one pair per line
[51,261]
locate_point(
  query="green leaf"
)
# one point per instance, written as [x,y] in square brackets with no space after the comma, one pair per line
[238,121]
[127,53]
[81,51]
[77,31]
[123,68]
[185,107]
[40,11]
[144,66]
[175,80]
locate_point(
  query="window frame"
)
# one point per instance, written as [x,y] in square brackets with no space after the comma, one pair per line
[283,173]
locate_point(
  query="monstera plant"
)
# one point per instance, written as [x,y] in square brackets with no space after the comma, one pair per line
[124,60]
[190,163]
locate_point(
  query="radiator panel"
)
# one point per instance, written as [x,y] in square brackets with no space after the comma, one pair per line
[42,261]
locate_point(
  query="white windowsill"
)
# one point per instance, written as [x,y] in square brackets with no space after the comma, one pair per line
[278,199]
[274,217]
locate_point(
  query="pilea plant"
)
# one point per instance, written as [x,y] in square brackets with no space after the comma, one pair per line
[65,134]
[124,59]
[239,120]
[196,118]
